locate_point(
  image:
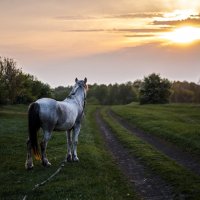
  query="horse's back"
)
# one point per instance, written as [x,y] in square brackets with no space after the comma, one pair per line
[48,111]
[57,115]
[47,103]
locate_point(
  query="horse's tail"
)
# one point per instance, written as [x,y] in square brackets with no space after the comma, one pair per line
[34,126]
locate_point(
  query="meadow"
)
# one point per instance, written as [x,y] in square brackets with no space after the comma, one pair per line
[98,175]
[94,177]
[177,123]
[186,184]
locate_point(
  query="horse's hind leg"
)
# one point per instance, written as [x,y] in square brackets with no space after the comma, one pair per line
[29,160]
[43,145]
[69,145]
[75,141]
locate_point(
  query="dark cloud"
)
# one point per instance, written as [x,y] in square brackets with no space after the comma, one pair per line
[140,35]
[128,30]
[146,30]
[195,20]
[84,30]
[117,16]
[76,17]
[135,15]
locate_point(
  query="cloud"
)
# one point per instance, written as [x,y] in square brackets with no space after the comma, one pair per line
[192,20]
[140,35]
[122,30]
[84,30]
[111,16]
[146,30]
[135,15]
[76,17]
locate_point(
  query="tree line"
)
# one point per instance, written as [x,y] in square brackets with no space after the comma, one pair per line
[152,89]
[17,87]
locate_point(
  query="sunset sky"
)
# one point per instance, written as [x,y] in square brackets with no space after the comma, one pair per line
[106,41]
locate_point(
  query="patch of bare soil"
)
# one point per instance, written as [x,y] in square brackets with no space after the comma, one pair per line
[183,158]
[148,185]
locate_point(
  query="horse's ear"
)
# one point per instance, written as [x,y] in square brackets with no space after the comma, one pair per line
[85,80]
[76,80]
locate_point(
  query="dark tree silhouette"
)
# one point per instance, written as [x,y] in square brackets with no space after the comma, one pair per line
[154,90]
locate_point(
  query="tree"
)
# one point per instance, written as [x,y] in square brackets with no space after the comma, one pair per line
[60,93]
[185,92]
[127,94]
[9,80]
[102,94]
[113,94]
[17,87]
[154,90]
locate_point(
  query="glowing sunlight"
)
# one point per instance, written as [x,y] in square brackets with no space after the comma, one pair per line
[183,35]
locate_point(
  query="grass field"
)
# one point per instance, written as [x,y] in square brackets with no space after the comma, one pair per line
[94,177]
[177,123]
[97,176]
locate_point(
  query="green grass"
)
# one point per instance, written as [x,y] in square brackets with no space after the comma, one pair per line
[177,123]
[184,182]
[94,177]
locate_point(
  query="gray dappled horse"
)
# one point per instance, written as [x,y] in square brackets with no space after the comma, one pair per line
[51,115]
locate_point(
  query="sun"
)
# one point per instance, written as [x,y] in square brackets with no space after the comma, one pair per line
[183,35]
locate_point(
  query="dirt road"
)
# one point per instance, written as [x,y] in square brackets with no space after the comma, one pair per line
[183,158]
[145,182]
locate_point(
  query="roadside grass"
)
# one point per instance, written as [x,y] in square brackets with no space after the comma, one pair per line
[14,108]
[186,184]
[177,123]
[94,177]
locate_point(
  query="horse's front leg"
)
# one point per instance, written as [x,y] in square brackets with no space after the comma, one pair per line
[43,145]
[77,128]
[69,145]
[29,159]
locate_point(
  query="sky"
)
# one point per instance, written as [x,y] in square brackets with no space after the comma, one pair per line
[107,41]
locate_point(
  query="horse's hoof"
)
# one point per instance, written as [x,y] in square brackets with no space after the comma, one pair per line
[46,164]
[69,158]
[75,159]
[28,166]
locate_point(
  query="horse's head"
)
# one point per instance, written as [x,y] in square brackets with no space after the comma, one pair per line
[80,84]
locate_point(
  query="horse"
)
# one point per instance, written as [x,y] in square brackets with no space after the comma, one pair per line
[51,115]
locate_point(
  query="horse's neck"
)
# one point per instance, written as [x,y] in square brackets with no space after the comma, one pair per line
[79,96]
